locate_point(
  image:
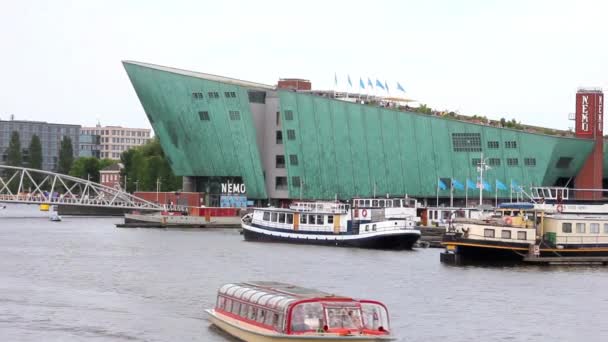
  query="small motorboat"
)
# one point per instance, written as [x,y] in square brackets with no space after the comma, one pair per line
[55,217]
[273,311]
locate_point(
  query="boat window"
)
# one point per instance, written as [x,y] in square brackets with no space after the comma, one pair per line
[311,219]
[261,316]
[566,227]
[366,203]
[374,203]
[344,318]
[489,233]
[236,307]
[290,218]
[228,305]
[319,219]
[594,228]
[521,235]
[252,313]
[282,218]
[244,310]
[268,320]
[374,316]
[273,217]
[580,227]
[220,302]
[330,219]
[381,203]
[374,227]
[397,203]
[606,228]
[505,234]
[306,317]
[303,219]
[266,216]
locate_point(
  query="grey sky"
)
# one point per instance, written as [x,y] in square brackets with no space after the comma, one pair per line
[61,60]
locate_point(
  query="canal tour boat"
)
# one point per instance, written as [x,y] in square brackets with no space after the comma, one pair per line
[273,311]
[520,232]
[368,223]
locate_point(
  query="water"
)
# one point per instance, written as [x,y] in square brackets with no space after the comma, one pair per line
[83,279]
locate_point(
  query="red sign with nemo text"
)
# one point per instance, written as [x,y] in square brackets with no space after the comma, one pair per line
[586,110]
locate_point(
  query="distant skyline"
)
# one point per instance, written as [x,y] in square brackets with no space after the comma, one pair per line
[523,60]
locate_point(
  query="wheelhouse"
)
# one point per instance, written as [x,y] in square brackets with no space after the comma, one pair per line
[294,310]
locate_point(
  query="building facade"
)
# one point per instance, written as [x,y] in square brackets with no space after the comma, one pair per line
[90,146]
[50,135]
[110,176]
[115,139]
[292,143]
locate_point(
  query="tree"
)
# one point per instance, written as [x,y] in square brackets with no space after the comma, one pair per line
[35,153]
[66,155]
[14,150]
[89,167]
[144,165]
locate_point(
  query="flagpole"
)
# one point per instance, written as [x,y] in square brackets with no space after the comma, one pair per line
[481,166]
[466,194]
[437,199]
[511,190]
[496,193]
[451,192]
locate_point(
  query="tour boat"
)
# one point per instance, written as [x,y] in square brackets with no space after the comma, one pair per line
[277,312]
[368,223]
[520,231]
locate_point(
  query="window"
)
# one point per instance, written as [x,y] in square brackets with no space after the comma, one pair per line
[511,144]
[295,181]
[566,227]
[204,116]
[244,310]
[288,115]
[594,228]
[279,137]
[512,161]
[278,118]
[230,94]
[273,217]
[197,95]
[311,219]
[580,227]
[235,115]
[281,183]
[521,235]
[291,134]
[293,159]
[606,228]
[489,233]
[563,162]
[475,161]
[280,161]
[236,307]
[494,162]
[256,96]
[330,219]
[492,144]
[289,218]
[282,218]
[505,234]
[466,142]
[530,161]
[303,219]
[213,95]
[319,219]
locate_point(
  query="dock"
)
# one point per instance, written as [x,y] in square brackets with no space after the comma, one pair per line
[572,260]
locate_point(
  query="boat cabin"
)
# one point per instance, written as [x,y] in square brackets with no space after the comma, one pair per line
[294,310]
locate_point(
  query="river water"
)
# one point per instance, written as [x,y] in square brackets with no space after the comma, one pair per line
[84,279]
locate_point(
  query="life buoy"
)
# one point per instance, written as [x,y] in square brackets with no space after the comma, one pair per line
[560,208]
[508,220]
[364,212]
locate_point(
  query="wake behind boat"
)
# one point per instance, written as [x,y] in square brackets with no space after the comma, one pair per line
[369,223]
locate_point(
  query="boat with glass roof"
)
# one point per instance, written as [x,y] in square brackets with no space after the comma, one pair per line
[273,311]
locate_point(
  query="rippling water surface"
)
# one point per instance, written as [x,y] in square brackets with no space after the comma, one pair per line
[85,279]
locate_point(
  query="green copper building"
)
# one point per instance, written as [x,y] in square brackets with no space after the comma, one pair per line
[288,142]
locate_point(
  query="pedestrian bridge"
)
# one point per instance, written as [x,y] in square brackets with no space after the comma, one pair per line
[31,186]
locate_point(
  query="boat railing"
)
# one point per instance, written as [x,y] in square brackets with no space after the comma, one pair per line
[325,207]
[586,240]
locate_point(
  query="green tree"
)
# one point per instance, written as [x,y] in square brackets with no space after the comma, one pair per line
[89,167]
[146,164]
[66,156]
[35,153]
[14,150]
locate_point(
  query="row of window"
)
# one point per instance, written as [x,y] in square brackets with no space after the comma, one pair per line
[233,114]
[508,144]
[250,312]
[594,228]
[278,217]
[213,95]
[280,160]
[510,161]
[504,234]
[280,183]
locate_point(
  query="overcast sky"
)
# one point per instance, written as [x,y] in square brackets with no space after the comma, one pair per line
[61,60]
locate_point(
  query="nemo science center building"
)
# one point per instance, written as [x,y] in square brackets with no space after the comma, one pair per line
[289,142]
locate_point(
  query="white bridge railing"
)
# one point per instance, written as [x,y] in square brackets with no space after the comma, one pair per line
[31,186]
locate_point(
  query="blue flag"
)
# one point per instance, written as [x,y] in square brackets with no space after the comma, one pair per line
[361,83]
[399,87]
[516,187]
[500,186]
[470,184]
[486,186]
[369,83]
[386,85]
[457,185]
[379,84]
[350,83]
[441,185]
